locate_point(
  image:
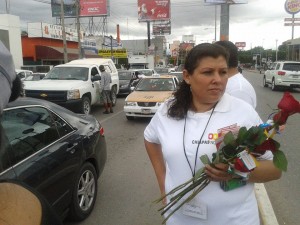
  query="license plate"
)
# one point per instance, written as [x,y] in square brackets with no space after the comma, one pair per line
[146,111]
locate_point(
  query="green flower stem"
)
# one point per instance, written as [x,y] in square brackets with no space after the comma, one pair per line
[206,182]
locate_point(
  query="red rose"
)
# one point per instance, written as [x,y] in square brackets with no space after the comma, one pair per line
[288,106]
[240,166]
[268,144]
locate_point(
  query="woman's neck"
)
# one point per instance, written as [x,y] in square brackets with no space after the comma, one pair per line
[202,107]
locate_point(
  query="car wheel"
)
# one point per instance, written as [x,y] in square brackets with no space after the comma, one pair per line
[84,193]
[274,86]
[114,96]
[265,82]
[86,106]
[130,117]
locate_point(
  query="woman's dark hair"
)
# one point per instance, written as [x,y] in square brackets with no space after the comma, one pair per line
[183,96]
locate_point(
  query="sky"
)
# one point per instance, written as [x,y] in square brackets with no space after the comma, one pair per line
[258,23]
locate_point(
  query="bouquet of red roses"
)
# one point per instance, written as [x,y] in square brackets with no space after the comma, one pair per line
[238,148]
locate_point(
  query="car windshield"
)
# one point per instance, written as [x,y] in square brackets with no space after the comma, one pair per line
[125,75]
[156,84]
[291,66]
[146,72]
[68,73]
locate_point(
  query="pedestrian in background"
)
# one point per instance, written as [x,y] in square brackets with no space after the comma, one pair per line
[106,93]
[179,133]
[237,85]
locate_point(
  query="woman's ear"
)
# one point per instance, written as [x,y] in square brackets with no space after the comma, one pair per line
[17,89]
[186,76]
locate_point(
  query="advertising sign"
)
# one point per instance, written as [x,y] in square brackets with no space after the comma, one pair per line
[52,31]
[87,8]
[240,44]
[117,53]
[292,6]
[161,29]
[110,42]
[226,1]
[151,10]
[93,7]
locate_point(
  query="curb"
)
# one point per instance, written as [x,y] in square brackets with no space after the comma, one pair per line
[266,211]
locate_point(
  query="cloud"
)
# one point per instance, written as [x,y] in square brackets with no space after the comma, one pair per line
[258,22]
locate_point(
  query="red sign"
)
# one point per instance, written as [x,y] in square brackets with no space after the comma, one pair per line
[150,10]
[93,7]
[240,44]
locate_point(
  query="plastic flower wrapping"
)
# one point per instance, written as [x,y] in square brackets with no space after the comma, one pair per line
[238,147]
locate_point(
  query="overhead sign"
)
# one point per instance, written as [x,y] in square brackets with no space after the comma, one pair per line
[87,8]
[292,6]
[291,24]
[117,53]
[161,29]
[240,44]
[151,10]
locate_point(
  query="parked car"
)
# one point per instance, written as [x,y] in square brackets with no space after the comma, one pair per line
[283,74]
[125,79]
[74,86]
[146,72]
[161,70]
[148,95]
[55,151]
[22,74]
[178,74]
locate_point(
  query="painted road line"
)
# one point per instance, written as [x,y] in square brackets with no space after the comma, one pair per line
[266,211]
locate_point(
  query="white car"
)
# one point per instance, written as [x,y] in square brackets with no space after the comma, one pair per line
[23,74]
[283,74]
[148,95]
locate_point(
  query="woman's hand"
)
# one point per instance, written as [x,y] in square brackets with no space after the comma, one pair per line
[218,173]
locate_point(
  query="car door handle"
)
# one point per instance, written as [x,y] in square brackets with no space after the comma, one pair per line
[71,148]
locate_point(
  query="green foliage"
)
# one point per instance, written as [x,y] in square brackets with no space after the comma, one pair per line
[280,160]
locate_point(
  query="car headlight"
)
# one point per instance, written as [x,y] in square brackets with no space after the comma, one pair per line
[130,103]
[159,103]
[73,94]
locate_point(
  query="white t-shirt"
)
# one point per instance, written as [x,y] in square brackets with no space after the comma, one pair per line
[234,207]
[240,87]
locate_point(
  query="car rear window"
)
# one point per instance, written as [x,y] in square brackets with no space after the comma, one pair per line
[291,66]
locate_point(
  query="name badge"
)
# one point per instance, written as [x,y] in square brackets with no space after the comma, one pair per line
[195,209]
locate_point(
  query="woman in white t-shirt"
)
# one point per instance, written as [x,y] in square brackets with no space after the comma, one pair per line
[183,129]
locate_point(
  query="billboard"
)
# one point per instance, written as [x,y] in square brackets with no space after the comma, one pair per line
[292,6]
[226,1]
[87,8]
[161,28]
[151,10]
[52,31]
[240,44]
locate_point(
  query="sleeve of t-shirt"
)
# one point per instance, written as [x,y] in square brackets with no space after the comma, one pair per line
[151,132]
[244,96]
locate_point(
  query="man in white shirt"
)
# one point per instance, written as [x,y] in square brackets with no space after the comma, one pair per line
[237,84]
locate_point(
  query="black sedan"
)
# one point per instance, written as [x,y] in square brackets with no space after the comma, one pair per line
[57,152]
[125,80]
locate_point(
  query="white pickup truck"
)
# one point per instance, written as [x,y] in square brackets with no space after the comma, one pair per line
[75,87]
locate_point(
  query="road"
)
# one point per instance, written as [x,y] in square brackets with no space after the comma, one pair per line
[128,184]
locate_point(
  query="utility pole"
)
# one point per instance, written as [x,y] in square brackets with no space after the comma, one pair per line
[111,47]
[276,50]
[62,16]
[78,29]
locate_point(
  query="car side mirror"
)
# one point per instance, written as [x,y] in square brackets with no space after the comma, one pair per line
[96,77]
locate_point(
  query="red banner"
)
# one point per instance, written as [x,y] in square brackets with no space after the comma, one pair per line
[93,7]
[150,10]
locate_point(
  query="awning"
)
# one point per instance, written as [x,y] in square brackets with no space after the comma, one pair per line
[57,53]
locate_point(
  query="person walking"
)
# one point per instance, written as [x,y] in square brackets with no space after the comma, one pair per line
[180,132]
[106,93]
[237,84]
